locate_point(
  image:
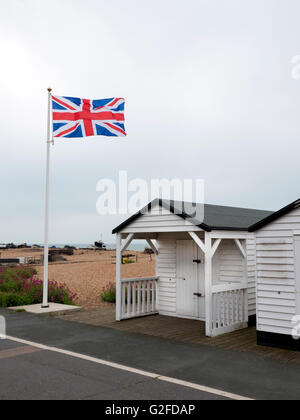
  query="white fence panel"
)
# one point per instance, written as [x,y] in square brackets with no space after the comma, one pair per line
[230,308]
[139,297]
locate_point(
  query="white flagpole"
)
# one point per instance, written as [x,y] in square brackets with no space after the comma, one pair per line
[45,303]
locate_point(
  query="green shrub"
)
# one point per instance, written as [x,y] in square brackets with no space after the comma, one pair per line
[13,299]
[109,293]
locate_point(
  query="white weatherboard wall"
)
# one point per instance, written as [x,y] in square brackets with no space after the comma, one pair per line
[160,220]
[228,266]
[277,259]
[297,272]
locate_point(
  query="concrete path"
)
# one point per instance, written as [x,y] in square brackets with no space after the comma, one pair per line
[239,373]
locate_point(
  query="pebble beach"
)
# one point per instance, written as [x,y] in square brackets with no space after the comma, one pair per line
[88,271]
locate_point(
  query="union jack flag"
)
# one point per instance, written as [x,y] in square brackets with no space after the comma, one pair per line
[75,117]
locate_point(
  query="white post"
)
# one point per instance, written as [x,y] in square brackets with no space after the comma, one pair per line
[45,303]
[208,285]
[118,277]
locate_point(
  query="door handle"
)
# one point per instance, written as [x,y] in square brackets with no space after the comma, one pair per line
[198,294]
[197,261]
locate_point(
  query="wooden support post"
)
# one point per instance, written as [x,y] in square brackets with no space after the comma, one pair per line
[240,247]
[215,246]
[198,241]
[246,298]
[209,252]
[128,241]
[152,246]
[243,251]
[119,277]
[208,285]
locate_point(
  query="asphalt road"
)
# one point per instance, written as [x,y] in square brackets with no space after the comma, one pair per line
[31,373]
[48,375]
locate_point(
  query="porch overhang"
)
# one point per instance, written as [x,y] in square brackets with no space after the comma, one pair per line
[213,293]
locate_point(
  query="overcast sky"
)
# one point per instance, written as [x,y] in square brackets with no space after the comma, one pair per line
[209,94]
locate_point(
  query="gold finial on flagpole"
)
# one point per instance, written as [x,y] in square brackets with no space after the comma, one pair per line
[49,89]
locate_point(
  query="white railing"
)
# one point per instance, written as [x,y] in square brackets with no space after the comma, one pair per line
[230,308]
[138,297]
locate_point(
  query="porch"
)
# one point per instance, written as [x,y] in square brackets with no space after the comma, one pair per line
[224,303]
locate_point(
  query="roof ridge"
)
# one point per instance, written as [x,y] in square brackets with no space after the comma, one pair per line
[275,215]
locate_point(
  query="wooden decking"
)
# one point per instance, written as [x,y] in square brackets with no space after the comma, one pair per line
[184,330]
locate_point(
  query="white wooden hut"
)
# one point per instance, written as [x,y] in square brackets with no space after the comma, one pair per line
[205,270]
[277,252]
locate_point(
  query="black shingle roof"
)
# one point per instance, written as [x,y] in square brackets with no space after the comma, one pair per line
[232,217]
[215,217]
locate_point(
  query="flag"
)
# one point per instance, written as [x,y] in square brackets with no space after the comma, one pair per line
[75,117]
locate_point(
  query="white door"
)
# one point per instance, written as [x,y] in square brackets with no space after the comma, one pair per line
[190,300]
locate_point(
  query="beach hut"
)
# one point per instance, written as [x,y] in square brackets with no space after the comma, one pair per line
[205,264]
[277,253]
